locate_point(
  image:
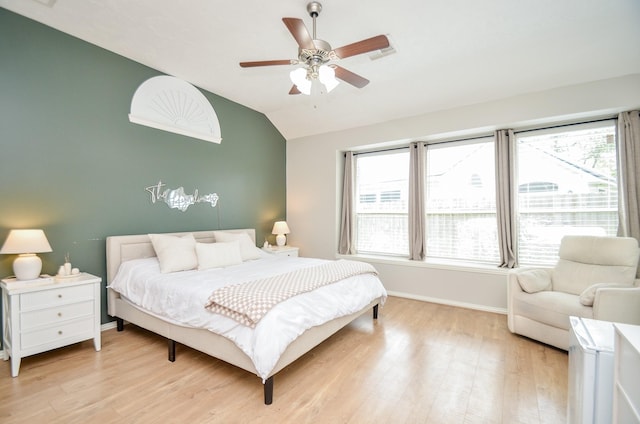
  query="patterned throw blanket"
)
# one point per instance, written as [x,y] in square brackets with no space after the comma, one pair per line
[248,302]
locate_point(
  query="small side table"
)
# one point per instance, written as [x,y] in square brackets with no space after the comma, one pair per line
[48,314]
[282,250]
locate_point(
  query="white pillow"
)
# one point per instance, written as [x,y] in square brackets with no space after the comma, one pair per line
[175,253]
[248,249]
[218,255]
[534,280]
[589,294]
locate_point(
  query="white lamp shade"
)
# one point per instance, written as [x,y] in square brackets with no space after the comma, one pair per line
[26,243]
[280,228]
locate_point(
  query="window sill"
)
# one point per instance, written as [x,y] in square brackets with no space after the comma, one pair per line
[450,265]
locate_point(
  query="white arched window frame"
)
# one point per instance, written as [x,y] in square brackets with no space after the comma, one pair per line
[171,104]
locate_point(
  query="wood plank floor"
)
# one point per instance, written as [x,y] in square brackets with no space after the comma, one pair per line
[419,363]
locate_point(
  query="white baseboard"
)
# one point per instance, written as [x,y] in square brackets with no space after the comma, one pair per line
[108,326]
[474,306]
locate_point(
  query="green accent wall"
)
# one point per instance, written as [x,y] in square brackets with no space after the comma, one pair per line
[72,164]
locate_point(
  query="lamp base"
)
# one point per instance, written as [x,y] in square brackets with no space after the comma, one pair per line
[281,239]
[27,266]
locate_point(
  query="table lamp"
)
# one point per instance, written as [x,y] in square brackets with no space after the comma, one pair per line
[26,243]
[280,228]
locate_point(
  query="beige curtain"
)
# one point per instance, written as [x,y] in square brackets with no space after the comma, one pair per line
[505,197]
[628,149]
[346,245]
[416,202]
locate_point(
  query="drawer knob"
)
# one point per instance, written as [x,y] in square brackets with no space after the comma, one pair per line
[59,296]
[59,314]
[60,332]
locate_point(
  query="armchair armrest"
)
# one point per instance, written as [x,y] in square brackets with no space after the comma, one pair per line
[540,277]
[617,305]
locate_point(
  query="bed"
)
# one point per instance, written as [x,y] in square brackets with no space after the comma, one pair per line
[237,344]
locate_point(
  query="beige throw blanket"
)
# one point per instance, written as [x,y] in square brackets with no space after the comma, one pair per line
[248,302]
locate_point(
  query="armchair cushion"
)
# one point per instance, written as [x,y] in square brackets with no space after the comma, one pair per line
[589,294]
[550,308]
[534,280]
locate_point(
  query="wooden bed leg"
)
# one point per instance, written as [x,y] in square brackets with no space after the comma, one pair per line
[119,324]
[375,312]
[172,350]
[268,391]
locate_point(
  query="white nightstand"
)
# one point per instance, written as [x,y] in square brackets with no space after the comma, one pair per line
[40,316]
[282,250]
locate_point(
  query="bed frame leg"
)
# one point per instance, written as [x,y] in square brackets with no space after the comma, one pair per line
[268,391]
[172,350]
[375,312]
[119,324]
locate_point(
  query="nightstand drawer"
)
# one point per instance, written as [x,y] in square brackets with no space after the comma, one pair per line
[56,296]
[48,316]
[49,335]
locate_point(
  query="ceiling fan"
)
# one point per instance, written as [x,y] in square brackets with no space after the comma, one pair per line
[316,55]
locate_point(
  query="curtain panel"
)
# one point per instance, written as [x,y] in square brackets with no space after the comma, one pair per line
[628,149]
[416,211]
[346,244]
[505,197]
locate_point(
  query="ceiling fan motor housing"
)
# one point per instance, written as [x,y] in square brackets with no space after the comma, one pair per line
[314,8]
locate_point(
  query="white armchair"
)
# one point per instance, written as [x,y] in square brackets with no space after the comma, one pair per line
[594,278]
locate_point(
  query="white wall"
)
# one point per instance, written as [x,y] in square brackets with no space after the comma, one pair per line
[314,178]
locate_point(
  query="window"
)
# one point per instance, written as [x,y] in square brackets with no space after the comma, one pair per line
[565,182]
[461,201]
[566,185]
[382,186]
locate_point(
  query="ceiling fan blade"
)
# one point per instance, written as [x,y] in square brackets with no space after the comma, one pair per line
[267,63]
[378,42]
[348,76]
[294,90]
[300,33]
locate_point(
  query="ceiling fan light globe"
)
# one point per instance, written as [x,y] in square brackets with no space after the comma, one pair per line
[299,78]
[305,88]
[327,76]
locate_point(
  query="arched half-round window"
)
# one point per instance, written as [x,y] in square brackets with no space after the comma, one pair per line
[171,104]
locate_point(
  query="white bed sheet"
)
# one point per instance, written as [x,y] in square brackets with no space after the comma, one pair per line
[180,298]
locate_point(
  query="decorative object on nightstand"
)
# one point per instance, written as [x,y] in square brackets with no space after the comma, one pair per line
[66,271]
[26,243]
[37,317]
[282,250]
[280,228]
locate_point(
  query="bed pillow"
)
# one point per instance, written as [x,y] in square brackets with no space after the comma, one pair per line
[218,255]
[175,253]
[248,249]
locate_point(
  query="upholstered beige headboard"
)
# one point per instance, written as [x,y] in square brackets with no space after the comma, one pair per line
[138,246]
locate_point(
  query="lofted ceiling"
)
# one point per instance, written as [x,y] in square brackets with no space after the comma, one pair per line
[447,53]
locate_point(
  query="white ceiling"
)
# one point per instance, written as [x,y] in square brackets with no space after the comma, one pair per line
[448,52]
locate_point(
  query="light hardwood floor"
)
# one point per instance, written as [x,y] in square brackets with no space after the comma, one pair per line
[419,363]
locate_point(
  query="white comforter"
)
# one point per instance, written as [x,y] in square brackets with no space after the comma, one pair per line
[180,297]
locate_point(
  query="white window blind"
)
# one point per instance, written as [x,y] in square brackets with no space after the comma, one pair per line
[566,184]
[461,201]
[382,186]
